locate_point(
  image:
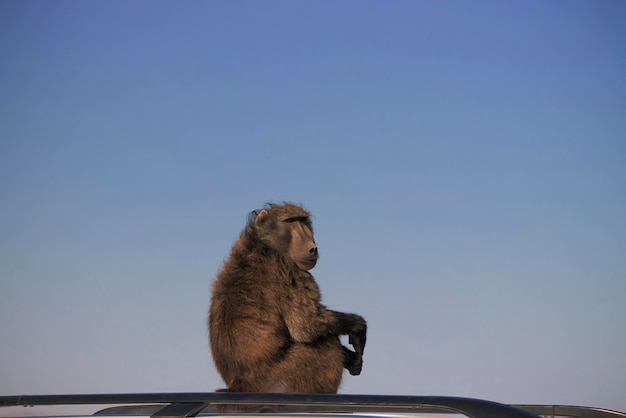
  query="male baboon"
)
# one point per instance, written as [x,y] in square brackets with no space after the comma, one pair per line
[268,329]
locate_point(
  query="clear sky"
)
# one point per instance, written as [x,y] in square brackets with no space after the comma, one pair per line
[465,163]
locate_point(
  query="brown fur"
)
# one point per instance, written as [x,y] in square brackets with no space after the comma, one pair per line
[268,330]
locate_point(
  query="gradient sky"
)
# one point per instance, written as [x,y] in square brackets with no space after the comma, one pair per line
[465,163]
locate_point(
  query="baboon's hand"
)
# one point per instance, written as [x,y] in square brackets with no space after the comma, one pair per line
[356,366]
[352,361]
[358,341]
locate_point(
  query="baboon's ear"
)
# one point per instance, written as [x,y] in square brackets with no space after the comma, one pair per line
[259,218]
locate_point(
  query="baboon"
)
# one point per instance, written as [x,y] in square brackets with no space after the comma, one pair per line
[268,330]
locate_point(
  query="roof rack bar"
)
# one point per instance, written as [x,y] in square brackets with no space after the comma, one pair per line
[314,403]
[180,410]
[571,411]
[475,408]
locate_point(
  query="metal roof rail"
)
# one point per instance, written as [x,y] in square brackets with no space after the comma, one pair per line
[192,404]
[571,411]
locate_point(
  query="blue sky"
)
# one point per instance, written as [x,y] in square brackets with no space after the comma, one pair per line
[465,163]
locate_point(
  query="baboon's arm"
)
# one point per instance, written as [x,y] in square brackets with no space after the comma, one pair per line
[306,326]
[307,319]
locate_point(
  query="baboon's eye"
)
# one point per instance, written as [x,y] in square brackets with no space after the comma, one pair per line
[296,219]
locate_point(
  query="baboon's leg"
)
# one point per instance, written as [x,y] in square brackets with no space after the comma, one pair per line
[310,368]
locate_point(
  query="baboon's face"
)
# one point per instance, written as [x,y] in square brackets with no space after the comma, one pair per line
[290,232]
[302,248]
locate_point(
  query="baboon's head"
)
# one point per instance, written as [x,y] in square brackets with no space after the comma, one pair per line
[288,229]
